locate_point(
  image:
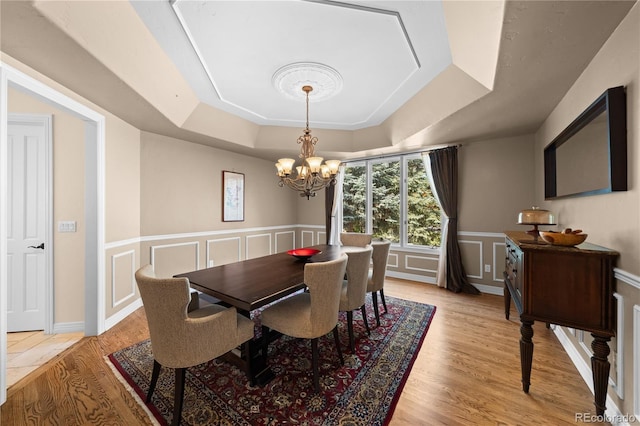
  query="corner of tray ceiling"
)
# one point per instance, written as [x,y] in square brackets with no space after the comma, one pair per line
[115,35]
[475,31]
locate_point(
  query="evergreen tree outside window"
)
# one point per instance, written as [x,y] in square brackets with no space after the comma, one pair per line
[392,199]
[385,212]
[354,199]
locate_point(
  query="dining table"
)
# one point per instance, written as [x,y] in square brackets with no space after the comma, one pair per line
[251,284]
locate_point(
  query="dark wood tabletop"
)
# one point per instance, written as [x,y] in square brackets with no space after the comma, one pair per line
[253,283]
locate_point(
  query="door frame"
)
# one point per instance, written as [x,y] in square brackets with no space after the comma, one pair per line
[44,120]
[94,276]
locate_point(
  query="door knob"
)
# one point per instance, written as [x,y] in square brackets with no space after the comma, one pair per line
[41,246]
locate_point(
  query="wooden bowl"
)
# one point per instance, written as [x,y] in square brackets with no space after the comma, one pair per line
[560,239]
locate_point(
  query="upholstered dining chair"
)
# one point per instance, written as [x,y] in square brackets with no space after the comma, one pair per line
[375,283]
[354,288]
[312,314]
[355,239]
[181,338]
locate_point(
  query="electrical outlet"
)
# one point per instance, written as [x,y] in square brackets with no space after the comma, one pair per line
[487,268]
[211,263]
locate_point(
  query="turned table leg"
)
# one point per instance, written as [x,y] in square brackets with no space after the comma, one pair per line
[526,353]
[600,368]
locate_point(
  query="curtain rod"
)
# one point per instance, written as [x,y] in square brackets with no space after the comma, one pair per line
[398,154]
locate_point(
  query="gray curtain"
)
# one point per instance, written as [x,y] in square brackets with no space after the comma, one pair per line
[444,172]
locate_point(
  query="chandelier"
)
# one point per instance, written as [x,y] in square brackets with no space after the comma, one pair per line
[312,175]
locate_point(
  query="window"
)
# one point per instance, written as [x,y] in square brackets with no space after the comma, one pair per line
[392,199]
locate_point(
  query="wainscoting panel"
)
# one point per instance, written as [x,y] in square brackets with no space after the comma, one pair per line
[307,239]
[171,259]
[471,252]
[221,251]
[420,263]
[123,283]
[285,241]
[321,237]
[258,245]
[618,366]
[499,254]
[636,360]
[392,261]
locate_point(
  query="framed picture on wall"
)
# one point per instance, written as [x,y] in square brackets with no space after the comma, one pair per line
[232,196]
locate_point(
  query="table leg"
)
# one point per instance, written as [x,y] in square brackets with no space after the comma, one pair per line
[526,353]
[261,374]
[600,369]
[253,359]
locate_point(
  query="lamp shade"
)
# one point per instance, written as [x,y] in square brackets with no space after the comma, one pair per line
[536,216]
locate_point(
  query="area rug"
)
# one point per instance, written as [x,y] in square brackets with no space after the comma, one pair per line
[363,391]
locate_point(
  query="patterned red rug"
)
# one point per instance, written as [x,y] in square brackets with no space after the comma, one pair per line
[362,392]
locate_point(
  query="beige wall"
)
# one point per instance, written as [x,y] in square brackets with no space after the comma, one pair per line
[122,187]
[611,220]
[181,188]
[496,183]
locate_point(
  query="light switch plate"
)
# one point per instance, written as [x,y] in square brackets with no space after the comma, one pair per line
[67,226]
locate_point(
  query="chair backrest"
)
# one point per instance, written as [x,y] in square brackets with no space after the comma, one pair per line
[357,276]
[165,303]
[379,256]
[324,280]
[355,239]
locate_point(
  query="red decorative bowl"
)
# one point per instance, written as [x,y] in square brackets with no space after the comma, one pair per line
[303,253]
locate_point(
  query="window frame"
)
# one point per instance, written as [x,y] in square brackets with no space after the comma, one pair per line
[403,181]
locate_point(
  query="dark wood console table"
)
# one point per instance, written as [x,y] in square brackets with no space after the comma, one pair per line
[567,286]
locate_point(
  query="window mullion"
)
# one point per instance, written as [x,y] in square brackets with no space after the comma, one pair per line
[403,202]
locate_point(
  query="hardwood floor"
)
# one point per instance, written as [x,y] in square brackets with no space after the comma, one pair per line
[28,350]
[467,372]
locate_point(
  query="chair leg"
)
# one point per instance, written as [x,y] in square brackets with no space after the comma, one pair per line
[178,395]
[337,339]
[352,340]
[384,303]
[154,379]
[314,363]
[363,310]
[374,297]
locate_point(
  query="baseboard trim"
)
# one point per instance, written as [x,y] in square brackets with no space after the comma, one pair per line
[68,327]
[122,314]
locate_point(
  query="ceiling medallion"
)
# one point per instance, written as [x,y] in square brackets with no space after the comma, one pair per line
[289,80]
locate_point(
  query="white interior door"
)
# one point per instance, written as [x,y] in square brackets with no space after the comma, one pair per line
[27,223]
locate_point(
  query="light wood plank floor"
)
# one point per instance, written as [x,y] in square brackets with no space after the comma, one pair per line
[467,372]
[26,351]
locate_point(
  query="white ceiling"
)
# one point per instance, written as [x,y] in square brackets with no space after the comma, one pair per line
[414,73]
[228,52]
